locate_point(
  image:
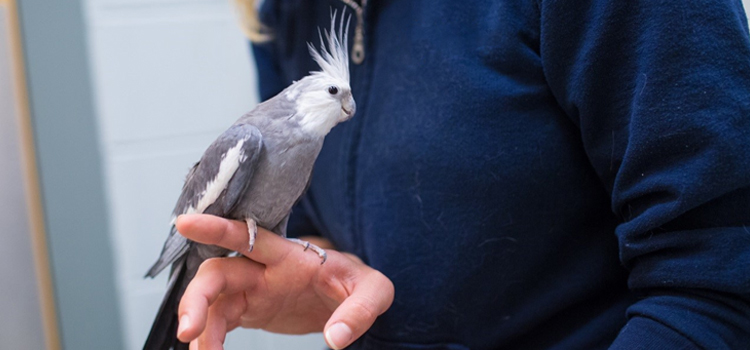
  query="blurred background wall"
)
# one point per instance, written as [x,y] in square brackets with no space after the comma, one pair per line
[123,96]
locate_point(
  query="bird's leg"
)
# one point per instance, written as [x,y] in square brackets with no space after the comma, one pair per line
[320,251]
[252,230]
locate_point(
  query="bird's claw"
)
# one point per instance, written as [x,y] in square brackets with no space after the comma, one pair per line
[307,245]
[252,230]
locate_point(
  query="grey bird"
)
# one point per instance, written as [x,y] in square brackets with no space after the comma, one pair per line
[256,171]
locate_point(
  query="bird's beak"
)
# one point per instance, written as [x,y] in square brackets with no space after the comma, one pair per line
[349,107]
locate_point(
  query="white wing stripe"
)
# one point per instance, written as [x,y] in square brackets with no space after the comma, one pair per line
[228,166]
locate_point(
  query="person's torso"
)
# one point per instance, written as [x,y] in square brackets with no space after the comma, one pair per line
[462,180]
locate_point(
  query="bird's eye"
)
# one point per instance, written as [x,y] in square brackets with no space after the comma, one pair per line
[333,90]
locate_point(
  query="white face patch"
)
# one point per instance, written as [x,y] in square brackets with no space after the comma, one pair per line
[318,109]
[320,113]
[228,166]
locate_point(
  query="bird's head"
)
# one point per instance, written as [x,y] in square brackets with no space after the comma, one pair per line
[324,98]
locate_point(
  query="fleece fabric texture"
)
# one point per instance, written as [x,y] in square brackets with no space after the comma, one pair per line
[538,174]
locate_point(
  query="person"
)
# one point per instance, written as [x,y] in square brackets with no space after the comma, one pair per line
[519,175]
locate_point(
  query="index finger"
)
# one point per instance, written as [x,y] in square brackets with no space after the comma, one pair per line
[233,235]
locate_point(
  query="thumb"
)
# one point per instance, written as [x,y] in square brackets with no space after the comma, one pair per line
[356,314]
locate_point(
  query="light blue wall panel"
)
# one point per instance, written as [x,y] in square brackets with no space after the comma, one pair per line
[70,169]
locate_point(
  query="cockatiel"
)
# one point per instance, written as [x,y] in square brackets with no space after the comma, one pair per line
[256,170]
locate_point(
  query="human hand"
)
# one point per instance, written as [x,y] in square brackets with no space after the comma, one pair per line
[281,288]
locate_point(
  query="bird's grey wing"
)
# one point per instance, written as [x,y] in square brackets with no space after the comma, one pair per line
[215,184]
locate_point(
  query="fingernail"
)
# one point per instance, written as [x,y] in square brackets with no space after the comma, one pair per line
[338,335]
[183,324]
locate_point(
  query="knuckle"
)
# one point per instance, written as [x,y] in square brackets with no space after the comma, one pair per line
[365,308]
[210,280]
[223,233]
[332,285]
[386,289]
[210,267]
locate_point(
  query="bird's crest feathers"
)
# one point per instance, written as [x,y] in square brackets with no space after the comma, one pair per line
[333,57]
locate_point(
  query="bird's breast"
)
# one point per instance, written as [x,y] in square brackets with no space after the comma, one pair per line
[280,179]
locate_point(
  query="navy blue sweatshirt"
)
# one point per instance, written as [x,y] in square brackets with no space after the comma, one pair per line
[538,174]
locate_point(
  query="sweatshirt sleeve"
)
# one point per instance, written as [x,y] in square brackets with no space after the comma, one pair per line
[661,93]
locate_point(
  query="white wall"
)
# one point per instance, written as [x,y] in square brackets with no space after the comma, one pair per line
[169,76]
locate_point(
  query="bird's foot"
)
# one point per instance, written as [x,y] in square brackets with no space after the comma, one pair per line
[320,251]
[252,230]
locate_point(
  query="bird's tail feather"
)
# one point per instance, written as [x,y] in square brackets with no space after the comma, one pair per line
[174,248]
[163,335]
